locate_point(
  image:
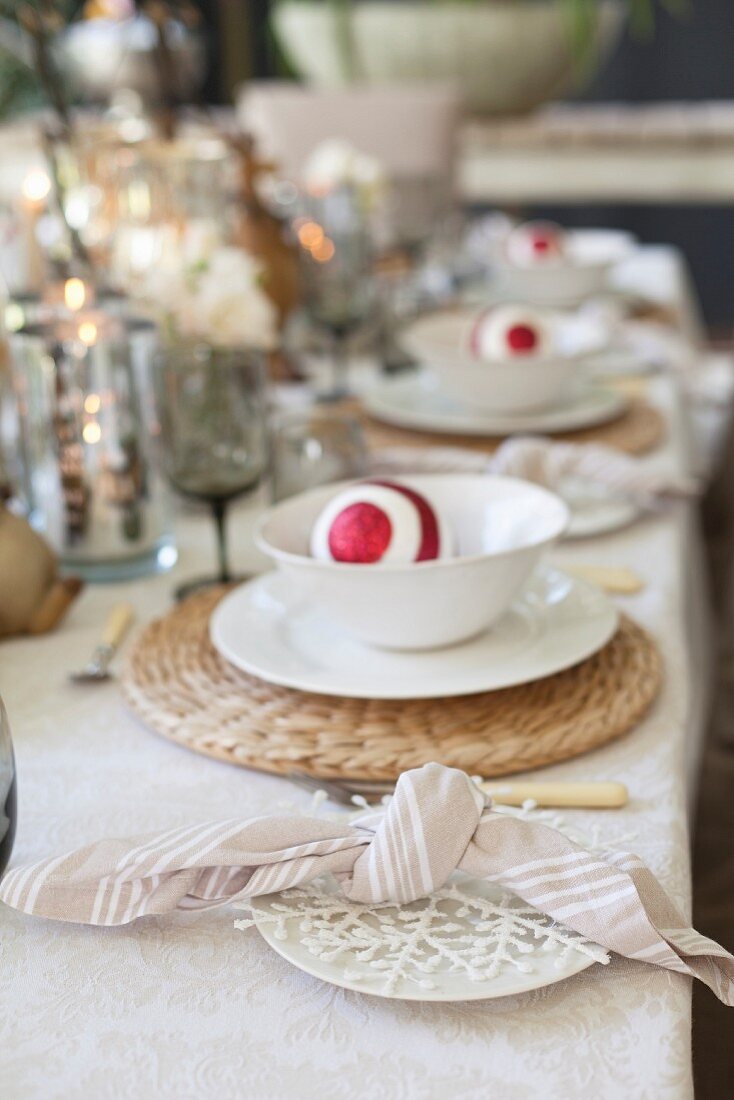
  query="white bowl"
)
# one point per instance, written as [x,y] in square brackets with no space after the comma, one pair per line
[504,58]
[502,527]
[518,385]
[582,273]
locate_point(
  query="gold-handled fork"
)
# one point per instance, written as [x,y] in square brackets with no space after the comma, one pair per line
[116,627]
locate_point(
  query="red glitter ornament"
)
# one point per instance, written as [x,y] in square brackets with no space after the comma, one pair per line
[522,338]
[430,545]
[379,521]
[360,534]
[541,243]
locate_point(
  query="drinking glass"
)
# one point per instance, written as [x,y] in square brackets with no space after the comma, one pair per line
[8,808]
[313,448]
[214,440]
[338,287]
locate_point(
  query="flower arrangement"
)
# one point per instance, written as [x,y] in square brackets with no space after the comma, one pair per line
[217,298]
[335,163]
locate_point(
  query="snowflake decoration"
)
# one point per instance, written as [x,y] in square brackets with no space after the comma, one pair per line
[455,931]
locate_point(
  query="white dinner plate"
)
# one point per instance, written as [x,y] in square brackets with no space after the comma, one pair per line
[414,401]
[267,629]
[479,942]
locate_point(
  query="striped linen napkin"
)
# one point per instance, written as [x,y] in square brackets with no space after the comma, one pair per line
[548,463]
[436,822]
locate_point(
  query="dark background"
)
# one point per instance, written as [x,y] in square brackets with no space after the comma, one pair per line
[689,58]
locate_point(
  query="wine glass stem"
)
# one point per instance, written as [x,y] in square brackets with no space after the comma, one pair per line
[219,511]
[341,364]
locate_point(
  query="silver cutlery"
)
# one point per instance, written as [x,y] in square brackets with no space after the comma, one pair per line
[115,629]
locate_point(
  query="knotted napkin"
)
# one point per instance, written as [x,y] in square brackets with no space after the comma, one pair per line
[547,463]
[436,822]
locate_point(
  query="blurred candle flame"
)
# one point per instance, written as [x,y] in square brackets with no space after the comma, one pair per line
[88,335]
[324,251]
[36,186]
[75,294]
[92,432]
[311,235]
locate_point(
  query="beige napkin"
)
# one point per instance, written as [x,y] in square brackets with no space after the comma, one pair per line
[546,463]
[436,822]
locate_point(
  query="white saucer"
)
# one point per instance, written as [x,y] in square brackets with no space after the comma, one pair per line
[595,510]
[414,401]
[265,628]
[482,943]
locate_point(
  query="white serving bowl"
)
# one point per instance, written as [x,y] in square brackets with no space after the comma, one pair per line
[502,527]
[582,273]
[521,384]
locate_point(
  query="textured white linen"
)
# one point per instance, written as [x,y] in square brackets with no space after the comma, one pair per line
[190,1008]
[186,1006]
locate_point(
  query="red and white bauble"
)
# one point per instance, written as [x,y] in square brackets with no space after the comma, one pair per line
[380,521]
[535,243]
[509,332]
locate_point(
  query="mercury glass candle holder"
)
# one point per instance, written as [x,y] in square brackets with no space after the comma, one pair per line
[86,429]
[156,199]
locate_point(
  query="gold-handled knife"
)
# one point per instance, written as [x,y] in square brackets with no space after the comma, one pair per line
[507,792]
[616,579]
[578,795]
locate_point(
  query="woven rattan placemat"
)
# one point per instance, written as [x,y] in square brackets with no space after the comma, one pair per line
[178,684]
[641,428]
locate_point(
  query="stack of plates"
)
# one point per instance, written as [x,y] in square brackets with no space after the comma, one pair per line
[267,629]
[416,402]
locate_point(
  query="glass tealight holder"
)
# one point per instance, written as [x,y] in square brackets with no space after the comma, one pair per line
[83,390]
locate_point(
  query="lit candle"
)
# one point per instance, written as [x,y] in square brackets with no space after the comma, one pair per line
[34,195]
[75,294]
[74,317]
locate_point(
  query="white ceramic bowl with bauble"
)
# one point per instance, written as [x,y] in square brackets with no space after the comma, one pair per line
[542,263]
[426,562]
[505,359]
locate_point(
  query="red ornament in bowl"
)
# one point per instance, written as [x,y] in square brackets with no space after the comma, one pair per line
[508,332]
[535,243]
[379,521]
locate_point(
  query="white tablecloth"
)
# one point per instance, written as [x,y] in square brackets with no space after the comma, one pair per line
[185,1006]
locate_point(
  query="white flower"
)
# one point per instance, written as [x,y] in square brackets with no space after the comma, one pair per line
[335,162]
[201,238]
[217,297]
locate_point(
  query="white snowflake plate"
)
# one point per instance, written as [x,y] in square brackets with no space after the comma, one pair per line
[414,401]
[470,941]
[267,629]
